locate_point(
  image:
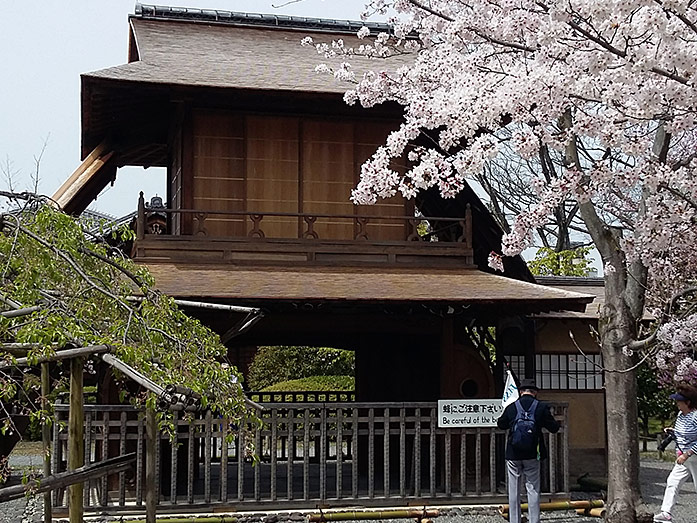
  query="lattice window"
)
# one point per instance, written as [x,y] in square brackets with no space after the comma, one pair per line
[563,371]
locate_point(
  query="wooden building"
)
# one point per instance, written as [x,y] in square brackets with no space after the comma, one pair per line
[569,369]
[261,155]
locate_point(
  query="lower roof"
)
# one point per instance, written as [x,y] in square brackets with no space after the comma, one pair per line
[360,285]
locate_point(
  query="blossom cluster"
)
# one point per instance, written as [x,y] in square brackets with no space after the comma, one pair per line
[608,87]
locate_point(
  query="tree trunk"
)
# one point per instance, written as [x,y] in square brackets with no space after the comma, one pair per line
[617,328]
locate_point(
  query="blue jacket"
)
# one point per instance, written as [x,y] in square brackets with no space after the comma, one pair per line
[543,419]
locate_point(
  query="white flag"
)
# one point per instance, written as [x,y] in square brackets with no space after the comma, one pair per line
[510,390]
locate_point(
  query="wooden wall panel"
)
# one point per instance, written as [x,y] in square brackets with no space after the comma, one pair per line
[368,136]
[272,172]
[219,171]
[328,175]
[261,164]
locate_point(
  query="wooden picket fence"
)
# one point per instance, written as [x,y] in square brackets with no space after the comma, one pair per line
[303,455]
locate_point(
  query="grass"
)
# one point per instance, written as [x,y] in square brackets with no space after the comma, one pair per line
[28,448]
[656,425]
[667,456]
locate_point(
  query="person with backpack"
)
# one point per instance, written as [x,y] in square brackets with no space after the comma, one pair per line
[524,420]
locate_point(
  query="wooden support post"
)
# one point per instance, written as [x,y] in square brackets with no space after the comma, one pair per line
[140,219]
[150,464]
[468,226]
[76,453]
[46,438]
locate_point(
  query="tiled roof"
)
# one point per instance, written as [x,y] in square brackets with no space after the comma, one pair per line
[592,286]
[182,51]
[377,285]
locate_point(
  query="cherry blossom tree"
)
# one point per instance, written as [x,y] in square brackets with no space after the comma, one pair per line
[607,89]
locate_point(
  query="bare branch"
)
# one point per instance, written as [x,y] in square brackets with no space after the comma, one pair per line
[37,165]
[667,310]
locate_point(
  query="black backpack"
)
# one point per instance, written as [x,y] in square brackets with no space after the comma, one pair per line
[524,429]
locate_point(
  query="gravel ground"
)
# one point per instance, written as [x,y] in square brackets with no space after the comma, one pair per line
[26,459]
[653,477]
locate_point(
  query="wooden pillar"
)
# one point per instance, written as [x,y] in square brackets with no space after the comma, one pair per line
[150,464]
[46,438]
[448,382]
[529,339]
[76,436]
[140,220]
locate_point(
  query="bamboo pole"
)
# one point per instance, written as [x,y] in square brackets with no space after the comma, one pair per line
[76,455]
[560,505]
[351,515]
[62,355]
[150,385]
[10,302]
[192,519]
[206,305]
[150,463]
[21,312]
[46,438]
[132,373]
[593,512]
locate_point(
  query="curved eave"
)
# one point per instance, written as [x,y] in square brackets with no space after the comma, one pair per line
[374,285]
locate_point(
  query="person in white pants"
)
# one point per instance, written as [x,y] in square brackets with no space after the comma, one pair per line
[685,432]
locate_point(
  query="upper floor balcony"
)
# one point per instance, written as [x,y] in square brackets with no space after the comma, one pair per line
[283,238]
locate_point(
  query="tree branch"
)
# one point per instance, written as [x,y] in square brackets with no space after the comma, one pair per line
[74,265]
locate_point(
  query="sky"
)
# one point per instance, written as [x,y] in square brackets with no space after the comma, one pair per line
[46,44]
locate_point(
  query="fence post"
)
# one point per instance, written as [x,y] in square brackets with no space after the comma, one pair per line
[76,453]
[46,438]
[150,463]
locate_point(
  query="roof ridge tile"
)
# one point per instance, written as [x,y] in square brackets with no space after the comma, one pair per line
[157,12]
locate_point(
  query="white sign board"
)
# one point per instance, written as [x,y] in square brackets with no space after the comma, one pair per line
[469,413]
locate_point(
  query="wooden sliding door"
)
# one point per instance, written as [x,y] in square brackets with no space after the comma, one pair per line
[328,172]
[260,164]
[272,173]
[368,137]
[219,171]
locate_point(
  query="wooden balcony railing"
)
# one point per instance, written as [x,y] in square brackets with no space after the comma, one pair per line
[169,234]
[459,229]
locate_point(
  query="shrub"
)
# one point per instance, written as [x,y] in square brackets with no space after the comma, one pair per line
[314,383]
[273,365]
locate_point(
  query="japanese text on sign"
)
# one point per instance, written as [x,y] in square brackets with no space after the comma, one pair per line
[469,413]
